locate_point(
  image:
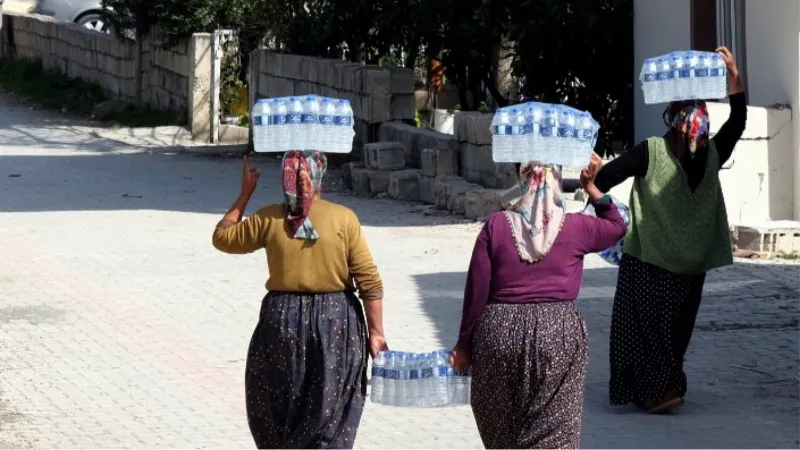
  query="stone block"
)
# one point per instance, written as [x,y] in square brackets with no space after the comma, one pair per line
[402,80]
[450,193]
[479,204]
[385,155]
[347,173]
[426,189]
[477,166]
[376,81]
[415,139]
[379,108]
[473,127]
[404,184]
[438,162]
[367,182]
[403,107]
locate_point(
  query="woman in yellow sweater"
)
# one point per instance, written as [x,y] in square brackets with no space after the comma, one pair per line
[306,375]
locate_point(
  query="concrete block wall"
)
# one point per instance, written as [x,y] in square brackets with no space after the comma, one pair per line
[172,79]
[377,94]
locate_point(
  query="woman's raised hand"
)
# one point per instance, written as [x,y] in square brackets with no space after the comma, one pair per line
[249,176]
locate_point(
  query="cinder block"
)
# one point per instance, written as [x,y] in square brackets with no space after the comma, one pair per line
[426,189]
[379,181]
[376,81]
[403,107]
[438,162]
[473,127]
[347,173]
[450,193]
[379,108]
[404,184]
[415,139]
[477,166]
[402,80]
[479,204]
[385,155]
[360,180]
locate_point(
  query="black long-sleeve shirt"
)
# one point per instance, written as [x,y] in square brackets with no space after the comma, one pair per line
[635,161]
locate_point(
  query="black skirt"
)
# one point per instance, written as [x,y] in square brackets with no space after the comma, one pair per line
[651,324]
[307,371]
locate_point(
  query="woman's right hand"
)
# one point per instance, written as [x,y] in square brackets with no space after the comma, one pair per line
[377,343]
[588,176]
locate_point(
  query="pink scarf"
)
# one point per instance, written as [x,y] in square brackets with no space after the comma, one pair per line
[536,218]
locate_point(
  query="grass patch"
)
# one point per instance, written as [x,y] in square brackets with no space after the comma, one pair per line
[52,89]
[793,256]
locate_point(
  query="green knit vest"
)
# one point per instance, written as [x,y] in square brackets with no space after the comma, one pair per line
[672,227]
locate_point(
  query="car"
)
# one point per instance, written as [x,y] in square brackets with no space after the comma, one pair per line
[86,13]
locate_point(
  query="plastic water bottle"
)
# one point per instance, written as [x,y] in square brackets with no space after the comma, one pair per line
[378,380]
[297,137]
[390,375]
[664,85]
[443,365]
[344,123]
[549,132]
[566,135]
[649,78]
[278,125]
[702,73]
[260,120]
[502,139]
[311,108]
[519,143]
[719,77]
[328,128]
[675,65]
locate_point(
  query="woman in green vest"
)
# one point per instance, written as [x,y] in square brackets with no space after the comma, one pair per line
[678,232]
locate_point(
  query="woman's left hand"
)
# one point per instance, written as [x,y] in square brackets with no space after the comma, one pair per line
[730,63]
[460,359]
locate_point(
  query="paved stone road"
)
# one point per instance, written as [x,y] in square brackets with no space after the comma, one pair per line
[120,326]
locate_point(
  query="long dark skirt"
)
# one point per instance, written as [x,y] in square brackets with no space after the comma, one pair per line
[306,371]
[651,325]
[529,369]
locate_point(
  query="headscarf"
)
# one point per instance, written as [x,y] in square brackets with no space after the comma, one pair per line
[302,179]
[536,218]
[689,122]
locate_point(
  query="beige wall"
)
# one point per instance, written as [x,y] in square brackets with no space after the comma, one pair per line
[659,26]
[172,79]
[773,77]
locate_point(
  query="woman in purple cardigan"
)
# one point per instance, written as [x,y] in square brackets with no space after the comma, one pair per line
[520,331]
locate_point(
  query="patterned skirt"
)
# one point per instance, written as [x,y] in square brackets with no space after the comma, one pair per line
[306,371]
[651,325]
[529,369]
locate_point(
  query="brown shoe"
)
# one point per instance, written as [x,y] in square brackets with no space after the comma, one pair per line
[668,402]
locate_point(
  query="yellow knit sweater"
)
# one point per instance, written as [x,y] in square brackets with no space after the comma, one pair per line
[328,264]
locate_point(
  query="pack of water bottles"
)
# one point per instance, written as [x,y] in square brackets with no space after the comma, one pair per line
[307,122]
[684,75]
[613,254]
[418,380]
[552,134]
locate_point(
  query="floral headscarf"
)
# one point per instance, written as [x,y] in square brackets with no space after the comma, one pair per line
[302,179]
[537,217]
[690,120]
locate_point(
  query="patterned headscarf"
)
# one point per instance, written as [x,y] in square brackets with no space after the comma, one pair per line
[690,120]
[536,218]
[302,179]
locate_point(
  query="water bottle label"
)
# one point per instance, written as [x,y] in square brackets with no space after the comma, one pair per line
[515,130]
[413,374]
[378,372]
[277,119]
[649,77]
[326,120]
[343,122]
[565,132]
[701,72]
[294,118]
[665,76]
[442,371]
[588,134]
[310,118]
[257,121]
[392,374]
[685,73]
[527,129]
[547,131]
[717,73]
[427,373]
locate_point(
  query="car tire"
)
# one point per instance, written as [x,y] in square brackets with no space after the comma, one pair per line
[94,21]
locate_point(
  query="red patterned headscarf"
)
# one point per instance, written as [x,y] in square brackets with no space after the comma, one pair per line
[302,180]
[689,119]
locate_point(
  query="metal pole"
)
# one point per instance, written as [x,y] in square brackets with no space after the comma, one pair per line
[216,74]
